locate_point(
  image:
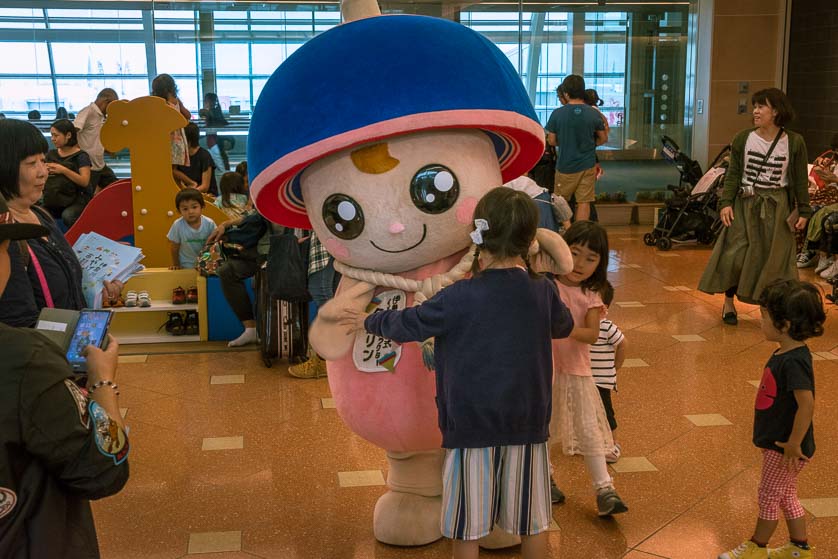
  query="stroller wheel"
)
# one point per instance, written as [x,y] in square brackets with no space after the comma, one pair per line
[649,240]
[664,243]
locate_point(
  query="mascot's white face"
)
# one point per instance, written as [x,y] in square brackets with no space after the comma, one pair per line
[399,204]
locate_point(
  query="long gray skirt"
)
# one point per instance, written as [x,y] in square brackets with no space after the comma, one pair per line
[755,250]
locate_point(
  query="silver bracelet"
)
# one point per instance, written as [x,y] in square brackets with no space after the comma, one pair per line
[102,383]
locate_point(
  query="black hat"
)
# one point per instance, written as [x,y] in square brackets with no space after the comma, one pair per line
[17,231]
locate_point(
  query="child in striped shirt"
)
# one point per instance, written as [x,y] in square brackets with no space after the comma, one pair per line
[607,355]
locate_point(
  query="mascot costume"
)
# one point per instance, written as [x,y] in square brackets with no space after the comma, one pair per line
[382,134]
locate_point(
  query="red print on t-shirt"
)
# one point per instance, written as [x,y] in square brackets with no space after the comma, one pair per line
[767,390]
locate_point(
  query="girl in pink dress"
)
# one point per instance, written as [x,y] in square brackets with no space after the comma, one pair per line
[579,422]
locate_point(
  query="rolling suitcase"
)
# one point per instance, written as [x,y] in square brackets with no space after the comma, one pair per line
[266,324]
[292,329]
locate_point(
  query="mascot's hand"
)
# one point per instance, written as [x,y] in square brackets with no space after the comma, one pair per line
[553,255]
[330,337]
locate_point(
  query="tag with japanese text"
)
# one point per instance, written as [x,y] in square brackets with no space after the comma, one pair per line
[374,354]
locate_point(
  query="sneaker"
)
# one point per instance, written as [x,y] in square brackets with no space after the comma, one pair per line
[192,295]
[614,454]
[824,262]
[556,495]
[608,502]
[131,299]
[830,271]
[315,367]
[174,324]
[190,323]
[807,259]
[790,551]
[746,550]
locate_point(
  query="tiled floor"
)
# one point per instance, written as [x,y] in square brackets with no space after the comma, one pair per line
[277,493]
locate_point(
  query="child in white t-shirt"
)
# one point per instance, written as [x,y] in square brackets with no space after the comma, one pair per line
[607,355]
[189,233]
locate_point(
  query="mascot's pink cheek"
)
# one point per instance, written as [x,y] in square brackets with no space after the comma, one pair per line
[465,211]
[336,248]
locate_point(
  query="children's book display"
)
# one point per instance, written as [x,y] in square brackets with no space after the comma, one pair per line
[103,259]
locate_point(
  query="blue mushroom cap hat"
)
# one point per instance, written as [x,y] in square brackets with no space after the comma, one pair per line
[377,78]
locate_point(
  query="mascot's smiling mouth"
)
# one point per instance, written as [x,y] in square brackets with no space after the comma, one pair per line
[424,234]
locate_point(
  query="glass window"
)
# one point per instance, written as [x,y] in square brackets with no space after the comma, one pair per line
[24,58]
[268,56]
[177,58]
[232,58]
[237,90]
[24,95]
[99,58]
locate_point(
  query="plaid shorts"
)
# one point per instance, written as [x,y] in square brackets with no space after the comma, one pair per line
[507,485]
[778,488]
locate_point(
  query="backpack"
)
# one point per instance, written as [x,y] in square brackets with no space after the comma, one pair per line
[247,233]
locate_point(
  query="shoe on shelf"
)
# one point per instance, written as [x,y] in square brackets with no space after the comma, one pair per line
[314,367]
[746,550]
[608,502]
[556,495]
[178,296]
[614,454]
[192,295]
[790,551]
[807,259]
[190,323]
[174,325]
[830,271]
[143,299]
[824,262]
[131,299]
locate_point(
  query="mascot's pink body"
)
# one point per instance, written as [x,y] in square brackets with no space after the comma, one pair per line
[395,411]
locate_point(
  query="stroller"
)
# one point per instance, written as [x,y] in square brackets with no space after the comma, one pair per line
[691,215]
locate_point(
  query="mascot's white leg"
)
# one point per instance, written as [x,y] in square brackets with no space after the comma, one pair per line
[409,513]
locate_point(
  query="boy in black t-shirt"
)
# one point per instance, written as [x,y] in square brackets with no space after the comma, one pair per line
[792,311]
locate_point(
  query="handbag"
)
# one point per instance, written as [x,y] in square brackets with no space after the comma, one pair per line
[214,255]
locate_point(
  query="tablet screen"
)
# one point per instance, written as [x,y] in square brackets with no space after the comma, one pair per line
[90,330]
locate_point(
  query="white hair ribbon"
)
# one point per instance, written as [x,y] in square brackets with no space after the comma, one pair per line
[480,226]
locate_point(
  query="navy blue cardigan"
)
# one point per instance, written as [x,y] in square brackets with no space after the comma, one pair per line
[493,355]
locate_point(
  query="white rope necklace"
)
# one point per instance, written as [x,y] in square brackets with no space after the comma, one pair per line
[422,289]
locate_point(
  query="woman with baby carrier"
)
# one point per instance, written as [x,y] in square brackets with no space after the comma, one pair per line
[765,200]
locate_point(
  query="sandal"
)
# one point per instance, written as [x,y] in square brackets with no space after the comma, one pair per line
[131,299]
[143,299]
[178,296]
[192,295]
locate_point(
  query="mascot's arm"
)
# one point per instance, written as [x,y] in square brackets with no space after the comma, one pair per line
[553,255]
[327,336]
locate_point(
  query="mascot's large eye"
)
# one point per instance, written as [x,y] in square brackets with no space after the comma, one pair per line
[434,189]
[343,216]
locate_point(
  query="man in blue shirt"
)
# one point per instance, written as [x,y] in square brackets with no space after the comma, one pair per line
[577,129]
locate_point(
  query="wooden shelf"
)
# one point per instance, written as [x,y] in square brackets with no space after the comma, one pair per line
[146,338]
[159,305]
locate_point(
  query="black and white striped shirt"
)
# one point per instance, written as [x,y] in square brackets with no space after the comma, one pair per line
[761,173]
[603,353]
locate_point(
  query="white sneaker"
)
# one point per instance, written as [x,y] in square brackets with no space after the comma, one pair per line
[824,262]
[831,271]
